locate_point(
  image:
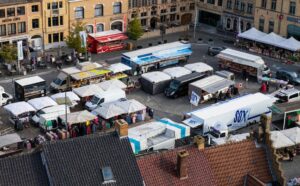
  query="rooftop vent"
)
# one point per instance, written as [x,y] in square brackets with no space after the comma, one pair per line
[107,175]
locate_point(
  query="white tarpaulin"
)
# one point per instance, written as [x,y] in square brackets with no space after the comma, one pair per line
[198,67]
[290,44]
[114,83]
[293,134]
[42,102]
[88,90]
[71,95]
[108,110]
[118,67]
[271,39]
[252,34]
[19,108]
[130,106]
[9,139]
[176,72]
[78,117]
[280,140]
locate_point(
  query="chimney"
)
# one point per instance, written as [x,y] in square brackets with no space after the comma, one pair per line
[266,122]
[200,142]
[121,127]
[182,169]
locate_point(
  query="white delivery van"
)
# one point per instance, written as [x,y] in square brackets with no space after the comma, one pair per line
[221,118]
[110,95]
[286,95]
[5,98]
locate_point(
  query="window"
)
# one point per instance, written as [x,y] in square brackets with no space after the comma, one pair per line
[34,8]
[236,4]
[263,3]
[2,13]
[292,7]
[54,5]
[173,9]
[220,2]
[98,10]
[55,21]
[163,11]
[61,20]
[164,1]
[55,37]
[143,14]
[242,7]
[143,22]
[162,18]
[261,24]
[249,8]
[49,21]
[153,12]
[192,6]
[10,12]
[61,36]
[49,38]
[117,8]
[11,28]
[89,29]
[60,4]
[211,1]
[294,96]
[21,10]
[2,30]
[172,17]
[273,5]
[79,13]
[271,26]
[21,27]
[48,7]
[35,23]
[182,9]
[100,27]
[229,4]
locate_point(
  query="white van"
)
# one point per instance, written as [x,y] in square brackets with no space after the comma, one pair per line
[57,109]
[5,98]
[110,95]
[49,121]
[287,95]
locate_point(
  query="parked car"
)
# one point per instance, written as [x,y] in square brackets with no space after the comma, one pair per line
[291,76]
[212,51]
[287,95]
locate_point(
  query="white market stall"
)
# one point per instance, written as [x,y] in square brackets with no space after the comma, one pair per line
[199,67]
[176,72]
[88,91]
[119,70]
[108,110]
[293,134]
[280,140]
[42,102]
[69,98]
[155,82]
[114,83]
[9,139]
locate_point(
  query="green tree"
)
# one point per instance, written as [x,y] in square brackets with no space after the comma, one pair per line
[73,40]
[9,53]
[135,30]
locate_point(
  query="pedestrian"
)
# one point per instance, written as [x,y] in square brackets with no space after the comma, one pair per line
[263,87]
[267,86]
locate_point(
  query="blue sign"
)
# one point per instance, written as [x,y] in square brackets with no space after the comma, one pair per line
[241,116]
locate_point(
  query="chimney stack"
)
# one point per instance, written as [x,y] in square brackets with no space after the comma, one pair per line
[200,142]
[266,122]
[182,169]
[121,127]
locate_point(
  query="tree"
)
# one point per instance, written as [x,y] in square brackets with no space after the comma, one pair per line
[73,40]
[9,53]
[135,30]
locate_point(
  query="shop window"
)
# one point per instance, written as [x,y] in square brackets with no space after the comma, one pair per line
[55,37]
[98,10]
[21,10]
[11,28]
[90,29]
[100,27]
[2,30]
[61,36]
[34,8]
[10,12]
[35,23]
[117,8]
[79,13]
[21,27]
[2,13]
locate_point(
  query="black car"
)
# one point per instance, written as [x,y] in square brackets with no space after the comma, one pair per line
[292,77]
[212,51]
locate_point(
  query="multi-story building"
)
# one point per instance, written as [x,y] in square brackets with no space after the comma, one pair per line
[35,29]
[98,16]
[238,13]
[210,12]
[152,13]
[279,16]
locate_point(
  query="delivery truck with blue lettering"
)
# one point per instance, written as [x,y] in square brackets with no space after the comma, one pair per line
[220,119]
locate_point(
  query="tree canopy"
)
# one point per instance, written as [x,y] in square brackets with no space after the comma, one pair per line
[73,40]
[135,30]
[9,53]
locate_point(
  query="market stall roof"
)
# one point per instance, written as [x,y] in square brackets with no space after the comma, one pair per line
[280,140]
[113,83]
[213,83]
[118,67]
[70,70]
[78,117]
[271,39]
[176,72]
[130,106]
[293,134]
[286,107]
[198,67]
[108,110]
[156,76]
[71,95]
[9,139]
[42,102]
[88,90]
[90,74]
[108,36]
[231,138]
[30,80]
[19,108]
[252,34]
[290,44]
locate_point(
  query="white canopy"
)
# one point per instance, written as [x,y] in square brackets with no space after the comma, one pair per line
[118,67]
[9,139]
[19,108]
[293,134]
[71,95]
[42,102]
[130,106]
[176,72]
[114,83]
[290,44]
[30,80]
[280,140]
[78,117]
[271,39]
[252,34]
[156,76]
[88,90]
[108,110]
[198,67]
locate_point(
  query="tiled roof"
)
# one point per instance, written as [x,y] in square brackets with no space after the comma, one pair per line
[22,171]
[159,169]
[78,161]
[221,165]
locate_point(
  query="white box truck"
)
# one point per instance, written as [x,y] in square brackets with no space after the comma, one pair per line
[222,118]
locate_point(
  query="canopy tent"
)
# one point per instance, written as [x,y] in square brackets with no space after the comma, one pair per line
[176,72]
[88,90]
[130,106]
[280,140]
[293,134]
[19,108]
[213,84]
[71,95]
[114,83]
[198,67]
[156,76]
[42,102]
[252,34]
[78,117]
[271,39]
[108,110]
[118,67]
[290,44]
[9,139]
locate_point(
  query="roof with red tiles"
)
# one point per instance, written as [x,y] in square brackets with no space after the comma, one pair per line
[221,165]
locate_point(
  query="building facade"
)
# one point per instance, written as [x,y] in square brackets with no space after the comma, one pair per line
[153,13]
[35,24]
[238,15]
[279,16]
[210,12]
